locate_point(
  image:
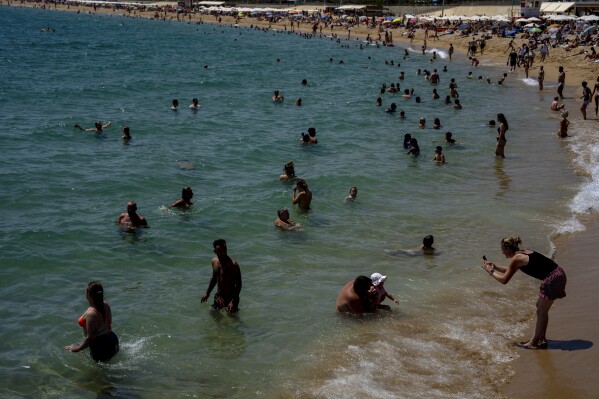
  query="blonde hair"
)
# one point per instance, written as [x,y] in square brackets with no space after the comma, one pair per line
[512,243]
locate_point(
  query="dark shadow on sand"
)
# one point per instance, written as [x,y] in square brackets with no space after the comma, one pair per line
[572,345]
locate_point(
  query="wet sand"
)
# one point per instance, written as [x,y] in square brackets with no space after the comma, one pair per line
[566,369]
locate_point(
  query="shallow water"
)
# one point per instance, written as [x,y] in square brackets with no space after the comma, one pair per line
[62,190]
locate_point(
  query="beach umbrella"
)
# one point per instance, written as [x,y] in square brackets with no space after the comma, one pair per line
[534,19]
[409,16]
[531,26]
[363,17]
[589,18]
[521,20]
[535,30]
[399,20]
[390,18]
[589,30]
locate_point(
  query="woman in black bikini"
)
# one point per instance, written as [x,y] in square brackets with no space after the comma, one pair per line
[540,267]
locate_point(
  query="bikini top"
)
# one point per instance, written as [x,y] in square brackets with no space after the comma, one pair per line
[104,323]
[539,266]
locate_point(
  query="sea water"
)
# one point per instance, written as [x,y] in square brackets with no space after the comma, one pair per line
[62,189]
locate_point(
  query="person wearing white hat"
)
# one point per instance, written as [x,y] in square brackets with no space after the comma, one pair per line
[378,280]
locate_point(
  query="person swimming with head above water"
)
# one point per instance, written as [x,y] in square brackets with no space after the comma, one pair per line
[284,222]
[276,97]
[131,218]
[185,200]
[289,169]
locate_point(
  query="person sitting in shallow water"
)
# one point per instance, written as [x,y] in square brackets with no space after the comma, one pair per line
[185,200]
[358,296]
[283,221]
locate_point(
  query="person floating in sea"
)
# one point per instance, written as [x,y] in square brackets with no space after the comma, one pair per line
[131,219]
[304,195]
[534,264]
[185,200]
[96,322]
[284,222]
[427,245]
[98,127]
[378,280]
[357,296]
[226,275]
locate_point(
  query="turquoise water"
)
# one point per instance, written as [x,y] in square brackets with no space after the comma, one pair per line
[62,189]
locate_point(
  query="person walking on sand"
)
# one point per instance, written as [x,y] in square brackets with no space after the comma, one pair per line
[501,131]
[534,264]
[226,275]
[561,81]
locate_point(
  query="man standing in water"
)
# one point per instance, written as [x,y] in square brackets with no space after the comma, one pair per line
[131,218]
[227,275]
[561,81]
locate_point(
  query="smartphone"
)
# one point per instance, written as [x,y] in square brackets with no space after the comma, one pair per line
[484,257]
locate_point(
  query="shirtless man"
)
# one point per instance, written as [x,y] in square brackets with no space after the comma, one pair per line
[357,296]
[98,127]
[561,81]
[225,274]
[131,218]
[185,200]
[304,197]
[277,97]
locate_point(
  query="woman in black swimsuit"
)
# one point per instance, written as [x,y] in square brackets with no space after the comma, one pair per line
[540,267]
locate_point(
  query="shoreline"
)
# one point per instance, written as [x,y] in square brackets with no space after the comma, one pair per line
[560,371]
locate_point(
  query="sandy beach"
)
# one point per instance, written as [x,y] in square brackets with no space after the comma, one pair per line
[565,368]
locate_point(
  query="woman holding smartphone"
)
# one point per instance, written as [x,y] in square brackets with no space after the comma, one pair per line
[538,266]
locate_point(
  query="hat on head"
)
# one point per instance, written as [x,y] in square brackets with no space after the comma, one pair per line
[377,278]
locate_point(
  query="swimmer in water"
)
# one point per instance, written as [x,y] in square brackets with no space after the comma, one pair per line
[406,94]
[422,123]
[194,104]
[392,109]
[456,104]
[185,200]
[437,123]
[448,139]
[175,104]
[283,221]
[427,245]
[312,135]
[439,158]
[414,149]
[353,193]
[406,140]
[298,102]
[126,134]
[379,101]
[131,218]
[304,195]
[402,115]
[98,127]
[276,97]
[289,169]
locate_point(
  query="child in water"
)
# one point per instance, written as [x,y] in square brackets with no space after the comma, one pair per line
[378,280]
[427,245]
[439,157]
